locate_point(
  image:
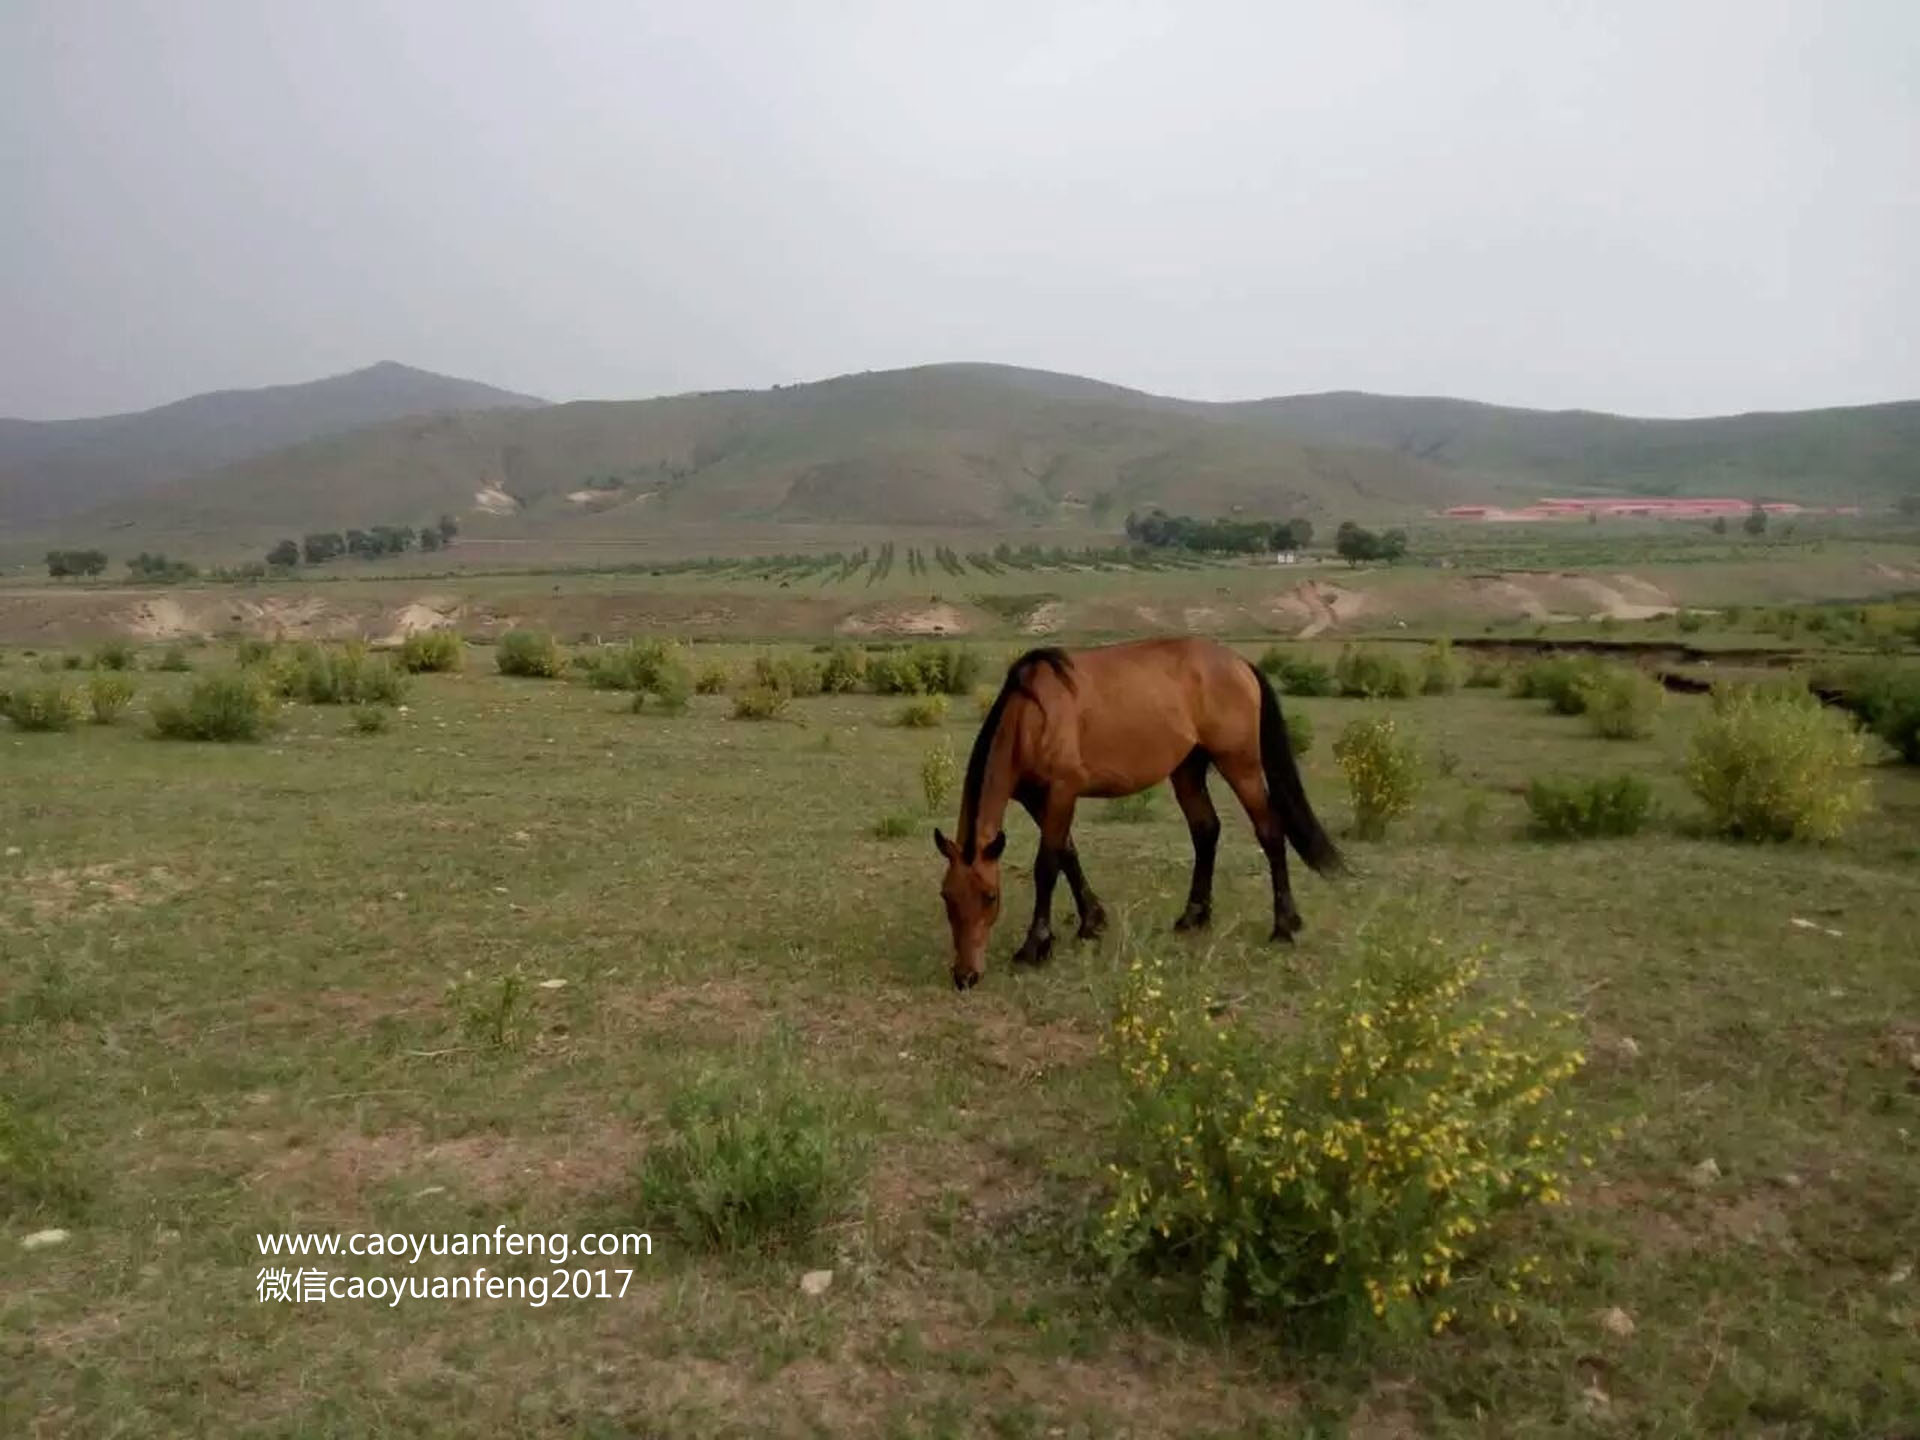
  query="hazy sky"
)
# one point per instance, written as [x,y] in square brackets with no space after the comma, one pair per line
[1678,207]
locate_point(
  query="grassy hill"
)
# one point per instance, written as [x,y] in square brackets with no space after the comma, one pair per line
[1862,453]
[53,469]
[983,447]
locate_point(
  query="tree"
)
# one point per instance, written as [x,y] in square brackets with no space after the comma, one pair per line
[1719,524]
[1302,532]
[1355,543]
[430,538]
[323,546]
[448,528]
[1392,545]
[286,553]
[62,563]
[1756,521]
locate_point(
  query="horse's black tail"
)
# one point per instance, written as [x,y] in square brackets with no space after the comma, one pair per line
[1285,793]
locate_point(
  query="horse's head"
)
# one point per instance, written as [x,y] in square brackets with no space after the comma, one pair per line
[971,891]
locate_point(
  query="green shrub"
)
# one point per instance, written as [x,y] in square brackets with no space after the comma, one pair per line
[1356,1175]
[113,655]
[174,659]
[671,685]
[1372,675]
[1485,674]
[792,675]
[1690,620]
[894,672]
[531,653]
[436,651]
[1559,680]
[1773,765]
[1574,809]
[46,705]
[108,693]
[1297,674]
[760,702]
[1621,703]
[712,679]
[948,669]
[496,1013]
[371,720]
[938,772]
[254,652]
[1440,671]
[226,705]
[323,675]
[922,713]
[645,667]
[752,1163]
[1886,697]
[1383,773]
[1299,733]
[844,670]
[894,826]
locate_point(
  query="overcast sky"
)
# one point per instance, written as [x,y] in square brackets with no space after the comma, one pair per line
[1660,208]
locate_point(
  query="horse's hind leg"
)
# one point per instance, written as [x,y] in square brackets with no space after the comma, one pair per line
[1093,915]
[1203,823]
[1249,784]
[1056,830]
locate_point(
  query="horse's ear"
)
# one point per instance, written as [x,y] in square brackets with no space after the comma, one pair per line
[999,843]
[943,845]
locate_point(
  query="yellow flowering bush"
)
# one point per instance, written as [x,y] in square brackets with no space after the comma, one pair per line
[1775,764]
[1382,770]
[1351,1176]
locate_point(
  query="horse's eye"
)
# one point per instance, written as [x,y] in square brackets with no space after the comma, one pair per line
[993,897]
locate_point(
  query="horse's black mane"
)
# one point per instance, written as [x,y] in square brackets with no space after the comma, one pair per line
[1018,675]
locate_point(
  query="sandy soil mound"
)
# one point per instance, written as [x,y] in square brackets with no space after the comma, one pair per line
[904,620]
[416,618]
[163,618]
[495,501]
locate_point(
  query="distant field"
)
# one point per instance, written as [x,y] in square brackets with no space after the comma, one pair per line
[237,978]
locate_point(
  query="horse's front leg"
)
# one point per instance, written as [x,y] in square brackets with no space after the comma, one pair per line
[1093,915]
[1056,828]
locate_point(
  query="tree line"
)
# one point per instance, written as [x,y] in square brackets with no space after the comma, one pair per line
[1238,537]
[321,546]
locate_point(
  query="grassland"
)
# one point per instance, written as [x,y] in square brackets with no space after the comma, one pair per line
[235,980]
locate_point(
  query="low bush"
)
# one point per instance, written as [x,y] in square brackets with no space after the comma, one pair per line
[894,826]
[1583,809]
[531,653]
[925,670]
[760,702]
[108,693]
[792,675]
[712,679]
[1297,674]
[643,667]
[1621,703]
[1776,765]
[1440,669]
[113,655]
[1299,732]
[173,658]
[939,771]
[371,720]
[47,705]
[922,713]
[254,652]
[1558,680]
[1485,674]
[1886,697]
[753,1162]
[36,1177]
[1383,773]
[1372,675]
[226,705]
[843,671]
[432,651]
[1357,1175]
[348,675]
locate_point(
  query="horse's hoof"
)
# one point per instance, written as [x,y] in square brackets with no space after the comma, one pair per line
[1193,919]
[1093,927]
[1034,954]
[1281,936]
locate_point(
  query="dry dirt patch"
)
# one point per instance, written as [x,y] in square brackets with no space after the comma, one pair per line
[86,891]
[907,620]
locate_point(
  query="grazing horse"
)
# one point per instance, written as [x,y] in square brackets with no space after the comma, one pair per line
[1108,722]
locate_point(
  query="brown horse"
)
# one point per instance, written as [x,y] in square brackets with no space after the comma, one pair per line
[1109,722]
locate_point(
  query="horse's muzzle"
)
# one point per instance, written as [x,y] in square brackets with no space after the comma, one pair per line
[965,979]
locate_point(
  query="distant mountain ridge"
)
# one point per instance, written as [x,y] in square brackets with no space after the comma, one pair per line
[986,446]
[55,468]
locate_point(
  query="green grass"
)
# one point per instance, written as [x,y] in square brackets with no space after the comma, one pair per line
[266,986]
